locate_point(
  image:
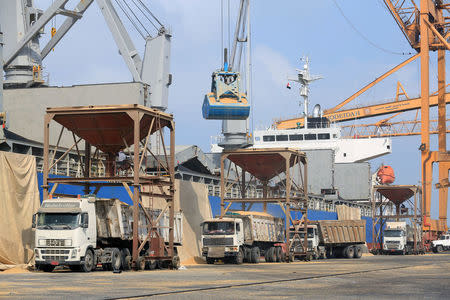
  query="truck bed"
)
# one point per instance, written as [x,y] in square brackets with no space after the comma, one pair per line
[261,228]
[115,219]
[342,231]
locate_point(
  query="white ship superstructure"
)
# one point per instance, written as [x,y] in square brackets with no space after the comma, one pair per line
[346,150]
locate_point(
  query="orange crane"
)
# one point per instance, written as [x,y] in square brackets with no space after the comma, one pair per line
[426,29]
[366,111]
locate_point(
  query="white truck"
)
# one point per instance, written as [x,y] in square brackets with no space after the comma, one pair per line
[82,233]
[442,244]
[243,236]
[329,238]
[398,237]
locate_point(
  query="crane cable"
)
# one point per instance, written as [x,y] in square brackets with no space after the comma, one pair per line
[151,14]
[145,29]
[143,13]
[363,36]
[130,19]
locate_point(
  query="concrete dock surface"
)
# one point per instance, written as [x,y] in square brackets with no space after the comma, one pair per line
[380,277]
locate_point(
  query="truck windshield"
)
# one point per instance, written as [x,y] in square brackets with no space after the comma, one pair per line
[302,234]
[58,221]
[218,228]
[393,233]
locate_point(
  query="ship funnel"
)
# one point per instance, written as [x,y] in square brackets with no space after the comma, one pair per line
[317,111]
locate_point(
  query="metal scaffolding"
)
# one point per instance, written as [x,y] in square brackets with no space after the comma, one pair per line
[408,207]
[111,130]
[283,175]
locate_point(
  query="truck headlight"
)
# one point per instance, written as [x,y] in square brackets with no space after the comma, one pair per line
[36,252]
[74,253]
[68,242]
[42,242]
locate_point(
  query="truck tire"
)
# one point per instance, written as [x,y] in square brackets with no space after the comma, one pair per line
[358,252]
[349,252]
[278,252]
[439,248]
[239,258]
[89,261]
[116,260]
[140,263]
[47,268]
[126,259]
[210,260]
[256,254]
[175,263]
[270,255]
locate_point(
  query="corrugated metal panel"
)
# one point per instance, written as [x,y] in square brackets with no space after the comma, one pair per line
[352,180]
[320,170]
[349,231]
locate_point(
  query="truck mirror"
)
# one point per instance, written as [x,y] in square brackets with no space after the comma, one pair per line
[33,221]
[84,220]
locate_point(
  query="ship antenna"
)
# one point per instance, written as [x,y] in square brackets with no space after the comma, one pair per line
[305,78]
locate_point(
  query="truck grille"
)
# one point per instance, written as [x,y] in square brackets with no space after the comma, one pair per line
[55,254]
[217,241]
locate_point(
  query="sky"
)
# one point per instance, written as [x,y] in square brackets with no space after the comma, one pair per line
[282,32]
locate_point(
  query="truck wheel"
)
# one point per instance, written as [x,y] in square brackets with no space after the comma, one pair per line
[210,260]
[270,255]
[126,259]
[291,257]
[151,264]
[47,268]
[175,264]
[116,259]
[255,255]
[89,263]
[140,263]
[278,253]
[239,258]
[349,251]
[439,248]
[358,252]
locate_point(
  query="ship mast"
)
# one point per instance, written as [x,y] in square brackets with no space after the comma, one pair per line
[305,78]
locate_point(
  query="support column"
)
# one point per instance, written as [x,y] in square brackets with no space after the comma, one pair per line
[288,200]
[243,188]
[425,111]
[136,128]
[222,185]
[265,195]
[172,190]
[442,137]
[45,166]
[87,165]
[305,211]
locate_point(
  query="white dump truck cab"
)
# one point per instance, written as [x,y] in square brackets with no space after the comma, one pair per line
[65,232]
[314,247]
[222,239]
[441,244]
[395,238]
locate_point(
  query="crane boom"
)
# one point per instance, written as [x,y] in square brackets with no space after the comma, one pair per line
[366,111]
[391,129]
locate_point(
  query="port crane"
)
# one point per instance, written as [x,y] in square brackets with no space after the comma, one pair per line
[226,101]
[426,29]
[23,56]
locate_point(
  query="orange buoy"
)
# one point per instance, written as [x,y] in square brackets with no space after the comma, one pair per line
[386,175]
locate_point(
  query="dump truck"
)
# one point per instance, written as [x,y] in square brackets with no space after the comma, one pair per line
[327,239]
[398,237]
[243,237]
[87,231]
